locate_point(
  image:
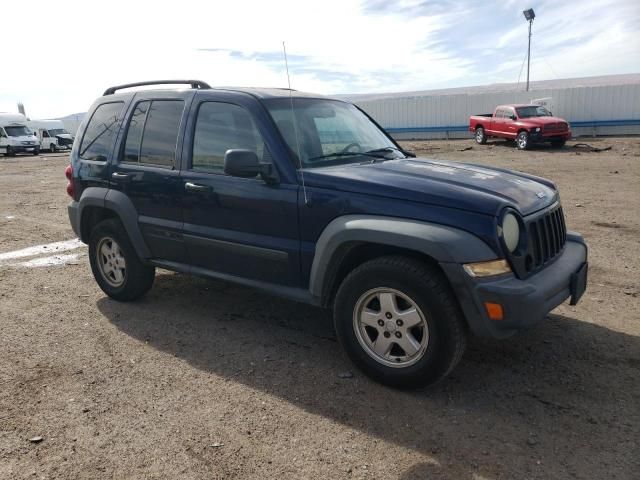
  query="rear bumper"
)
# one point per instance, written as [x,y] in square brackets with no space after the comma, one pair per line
[74,217]
[524,302]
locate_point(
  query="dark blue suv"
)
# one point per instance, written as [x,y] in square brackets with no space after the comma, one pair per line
[307,197]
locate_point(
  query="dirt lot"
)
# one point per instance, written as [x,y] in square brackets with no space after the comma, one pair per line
[202,379]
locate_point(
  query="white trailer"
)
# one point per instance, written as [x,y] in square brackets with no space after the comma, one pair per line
[51,134]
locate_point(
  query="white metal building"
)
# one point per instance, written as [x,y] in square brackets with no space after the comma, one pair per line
[593,105]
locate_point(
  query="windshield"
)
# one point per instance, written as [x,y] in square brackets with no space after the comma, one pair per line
[17,131]
[57,131]
[532,111]
[329,132]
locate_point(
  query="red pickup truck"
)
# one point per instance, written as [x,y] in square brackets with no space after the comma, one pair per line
[526,124]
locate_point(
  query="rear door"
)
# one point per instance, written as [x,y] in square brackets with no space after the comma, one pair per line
[496,121]
[237,226]
[509,126]
[147,168]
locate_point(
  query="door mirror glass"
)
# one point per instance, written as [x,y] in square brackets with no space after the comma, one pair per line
[241,163]
[513,117]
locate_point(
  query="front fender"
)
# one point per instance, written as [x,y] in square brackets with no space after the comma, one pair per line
[442,243]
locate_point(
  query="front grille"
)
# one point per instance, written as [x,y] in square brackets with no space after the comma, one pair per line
[555,127]
[547,236]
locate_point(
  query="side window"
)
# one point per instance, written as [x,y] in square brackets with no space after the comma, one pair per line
[100,132]
[134,133]
[221,127]
[152,134]
[45,134]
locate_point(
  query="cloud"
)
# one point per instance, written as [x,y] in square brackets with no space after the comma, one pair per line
[334,46]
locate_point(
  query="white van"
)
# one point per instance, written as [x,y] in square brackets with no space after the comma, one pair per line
[16,136]
[52,134]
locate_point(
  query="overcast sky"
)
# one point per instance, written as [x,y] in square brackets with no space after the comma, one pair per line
[57,57]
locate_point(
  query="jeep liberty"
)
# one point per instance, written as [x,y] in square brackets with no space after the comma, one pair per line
[307,197]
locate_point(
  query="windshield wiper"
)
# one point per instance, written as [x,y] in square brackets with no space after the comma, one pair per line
[350,154]
[392,149]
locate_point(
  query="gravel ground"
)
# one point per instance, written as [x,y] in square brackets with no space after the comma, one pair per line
[202,379]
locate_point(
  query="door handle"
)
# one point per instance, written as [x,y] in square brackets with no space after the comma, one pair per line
[194,187]
[120,176]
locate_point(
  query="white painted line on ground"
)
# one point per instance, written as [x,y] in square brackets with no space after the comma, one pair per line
[48,261]
[49,248]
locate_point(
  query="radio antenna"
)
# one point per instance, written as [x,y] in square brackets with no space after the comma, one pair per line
[295,126]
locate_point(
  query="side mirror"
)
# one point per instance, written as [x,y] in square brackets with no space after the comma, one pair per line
[245,164]
[513,117]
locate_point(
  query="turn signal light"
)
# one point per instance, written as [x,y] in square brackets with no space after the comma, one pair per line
[486,269]
[494,310]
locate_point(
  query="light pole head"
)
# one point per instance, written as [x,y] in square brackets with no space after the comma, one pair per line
[529,14]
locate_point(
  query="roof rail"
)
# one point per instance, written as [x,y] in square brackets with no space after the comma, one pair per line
[197,84]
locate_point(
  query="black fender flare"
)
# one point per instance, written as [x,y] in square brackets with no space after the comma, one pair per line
[442,243]
[117,202]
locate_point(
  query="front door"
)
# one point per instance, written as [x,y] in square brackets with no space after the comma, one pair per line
[241,227]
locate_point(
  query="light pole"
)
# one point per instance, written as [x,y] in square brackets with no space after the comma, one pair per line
[529,15]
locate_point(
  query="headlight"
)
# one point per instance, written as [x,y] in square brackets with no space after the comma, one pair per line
[510,231]
[537,129]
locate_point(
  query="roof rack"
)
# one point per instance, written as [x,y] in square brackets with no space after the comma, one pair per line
[197,84]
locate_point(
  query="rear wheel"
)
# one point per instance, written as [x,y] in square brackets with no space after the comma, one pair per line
[115,264]
[399,322]
[522,140]
[481,137]
[558,143]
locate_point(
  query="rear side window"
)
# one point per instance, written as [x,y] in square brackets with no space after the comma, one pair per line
[152,135]
[220,127]
[101,131]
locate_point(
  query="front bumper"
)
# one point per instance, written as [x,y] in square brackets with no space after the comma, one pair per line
[524,302]
[24,148]
[542,136]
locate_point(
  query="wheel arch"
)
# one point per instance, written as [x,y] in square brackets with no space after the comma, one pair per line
[97,204]
[353,239]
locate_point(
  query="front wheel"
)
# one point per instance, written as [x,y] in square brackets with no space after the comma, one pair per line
[53,147]
[399,322]
[481,137]
[36,152]
[10,152]
[115,264]
[522,140]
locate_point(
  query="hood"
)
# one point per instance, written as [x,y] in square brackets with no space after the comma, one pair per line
[29,139]
[543,120]
[469,187]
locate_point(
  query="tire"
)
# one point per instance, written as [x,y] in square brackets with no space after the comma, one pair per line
[481,137]
[439,334]
[36,152]
[9,152]
[558,143]
[522,140]
[53,147]
[110,252]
